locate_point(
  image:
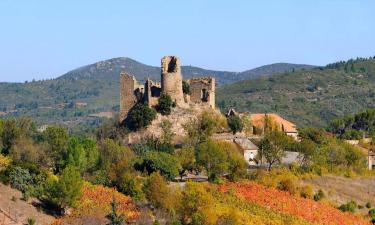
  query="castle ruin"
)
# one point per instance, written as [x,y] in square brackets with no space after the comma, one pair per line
[202,89]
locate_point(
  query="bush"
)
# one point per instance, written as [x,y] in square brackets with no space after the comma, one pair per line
[288,185]
[140,116]
[66,190]
[319,196]
[371,213]
[235,124]
[368,205]
[20,178]
[185,87]
[307,192]
[165,163]
[165,104]
[31,221]
[348,207]
[131,186]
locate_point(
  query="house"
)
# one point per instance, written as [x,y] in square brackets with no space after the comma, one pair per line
[249,150]
[260,121]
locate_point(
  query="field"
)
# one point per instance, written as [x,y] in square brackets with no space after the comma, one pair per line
[283,202]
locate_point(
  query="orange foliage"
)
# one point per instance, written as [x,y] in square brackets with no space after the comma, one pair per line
[284,202]
[95,202]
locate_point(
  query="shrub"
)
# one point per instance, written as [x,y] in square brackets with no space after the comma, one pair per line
[288,185]
[20,178]
[371,213]
[185,87]
[31,221]
[307,192]
[131,186]
[4,161]
[368,205]
[235,124]
[140,116]
[66,190]
[165,163]
[348,207]
[319,196]
[165,104]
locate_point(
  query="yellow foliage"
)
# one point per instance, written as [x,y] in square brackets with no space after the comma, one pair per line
[4,161]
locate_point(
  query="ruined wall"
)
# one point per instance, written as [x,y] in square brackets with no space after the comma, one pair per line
[171,78]
[202,91]
[152,92]
[128,95]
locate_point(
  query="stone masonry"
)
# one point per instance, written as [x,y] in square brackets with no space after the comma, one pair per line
[202,90]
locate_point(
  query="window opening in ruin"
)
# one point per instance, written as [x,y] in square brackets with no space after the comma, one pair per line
[172,65]
[204,95]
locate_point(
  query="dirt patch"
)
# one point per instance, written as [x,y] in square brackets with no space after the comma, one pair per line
[13,210]
[340,190]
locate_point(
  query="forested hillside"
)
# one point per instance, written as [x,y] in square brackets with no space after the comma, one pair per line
[308,97]
[71,98]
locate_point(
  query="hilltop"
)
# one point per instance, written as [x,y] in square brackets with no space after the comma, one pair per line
[308,97]
[79,95]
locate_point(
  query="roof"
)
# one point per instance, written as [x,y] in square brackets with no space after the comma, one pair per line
[245,144]
[257,119]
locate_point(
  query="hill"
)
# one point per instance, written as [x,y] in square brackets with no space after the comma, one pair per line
[76,96]
[308,97]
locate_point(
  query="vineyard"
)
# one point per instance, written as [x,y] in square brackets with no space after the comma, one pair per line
[95,202]
[283,202]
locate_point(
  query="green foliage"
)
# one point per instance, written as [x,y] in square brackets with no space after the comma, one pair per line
[235,124]
[311,97]
[354,126]
[371,213]
[31,221]
[140,117]
[166,164]
[348,207]
[319,195]
[66,190]
[213,158]
[20,178]
[186,157]
[368,205]
[273,146]
[82,153]
[165,104]
[113,217]
[185,87]
[131,186]
[57,139]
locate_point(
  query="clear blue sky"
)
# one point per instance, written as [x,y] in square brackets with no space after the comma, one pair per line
[44,39]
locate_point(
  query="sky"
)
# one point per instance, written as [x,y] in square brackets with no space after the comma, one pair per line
[45,39]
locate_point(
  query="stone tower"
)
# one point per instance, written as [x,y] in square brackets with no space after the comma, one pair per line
[171,78]
[128,97]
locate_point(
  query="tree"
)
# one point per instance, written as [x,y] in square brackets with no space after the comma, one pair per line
[10,134]
[165,163]
[82,153]
[156,190]
[235,123]
[186,157]
[20,178]
[306,149]
[168,134]
[140,116]
[57,140]
[25,150]
[165,104]
[237,166]
[114,218]
[272,147]
[213,158]
[66,190]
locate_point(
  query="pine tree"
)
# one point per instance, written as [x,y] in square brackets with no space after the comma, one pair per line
[114,218]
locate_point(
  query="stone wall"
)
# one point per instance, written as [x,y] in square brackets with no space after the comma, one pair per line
[202,91]
[128,97]
[171,78]
[152,92]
